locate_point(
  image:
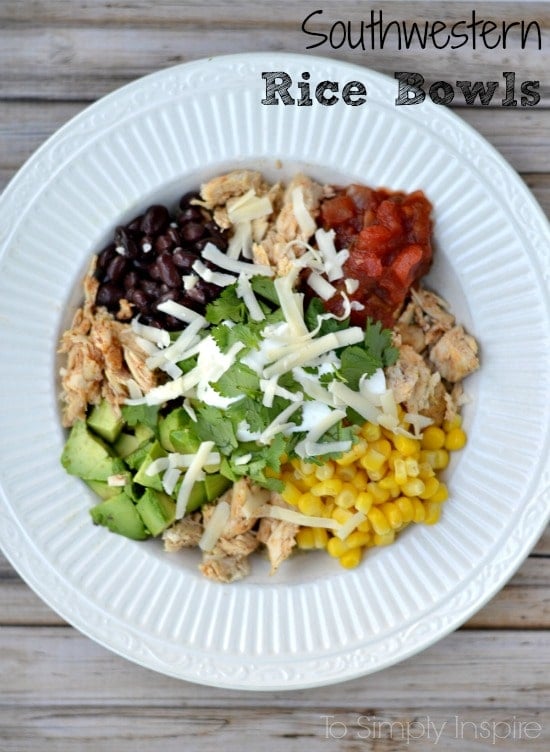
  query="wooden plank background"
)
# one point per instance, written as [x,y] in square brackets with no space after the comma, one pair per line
[479,688]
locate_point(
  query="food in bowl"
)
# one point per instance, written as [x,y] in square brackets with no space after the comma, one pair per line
[262,370]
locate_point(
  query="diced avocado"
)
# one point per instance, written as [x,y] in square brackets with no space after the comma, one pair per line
[126,444]
[215,485]
[197,497]
[135,459]
[105,421]
[87,456]
[102,489]
[143,433]
[157,510]
[185,441]
[176,420]
[120,515]
[141,477]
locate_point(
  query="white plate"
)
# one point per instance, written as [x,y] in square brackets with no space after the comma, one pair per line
[313,623]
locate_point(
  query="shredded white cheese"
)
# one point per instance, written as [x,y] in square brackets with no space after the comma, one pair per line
[215,526]
[194,473]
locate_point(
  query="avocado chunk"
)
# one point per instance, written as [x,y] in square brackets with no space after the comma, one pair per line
[215,485]
[105,421]
[150,481]
[126,444]
[102,489]
[157,510]
[87,456]
[176,420]
[120,515]
[197,497]
[184,440]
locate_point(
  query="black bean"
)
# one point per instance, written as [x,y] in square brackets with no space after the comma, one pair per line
[201,244]
[190,214]
[140,299]
[155,219]
[108,295]
[184,260]
[192,231]
[152,289]
[186,199]
[127,240]
[168,272]
[130,280]
[135,224]
[196,296]
[116,269]
[174,234]
[164,243]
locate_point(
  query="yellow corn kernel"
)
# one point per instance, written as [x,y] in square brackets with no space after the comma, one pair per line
[438,459]
[406,446]
[357,539]
[307,482]
[412,467]
[291,494]
[346,497]
[305,538]
[357,451]
[378,494]
[419,511]
[377,475]
[378,520]
[336,547]
[346,473]
[413,487]
[330,506]
[384,540]
[442,494]
[365,526]
[383,446]
[371,432]
[400,471]
[360,480]
[324,472]
[329,487]
[363,501]
[425,470]
[405,506]
[430,487]
[306,468]
[372,460]
[351,558]
[455,422]
[433,512]
[320,536]
[341,515]
[310,505]
[392,514]
[433,438]
[455,440]
[441,459]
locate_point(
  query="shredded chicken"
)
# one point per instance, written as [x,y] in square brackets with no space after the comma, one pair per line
[455,355]
[102,356]
[278,536]
[225,568]
[185,533]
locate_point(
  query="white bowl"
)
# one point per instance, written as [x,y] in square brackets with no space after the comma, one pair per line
[313,623]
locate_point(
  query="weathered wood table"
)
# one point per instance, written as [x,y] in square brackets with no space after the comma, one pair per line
[484,687]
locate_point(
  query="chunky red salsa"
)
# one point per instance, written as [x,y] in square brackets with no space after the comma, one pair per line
[388,235]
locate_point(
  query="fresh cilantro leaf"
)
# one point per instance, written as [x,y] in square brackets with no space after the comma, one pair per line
[356,362]
[212,425]
[227,306]
[249,335]
[265,288]
[239,379]
[315,309]
[146,414]
[378,343]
